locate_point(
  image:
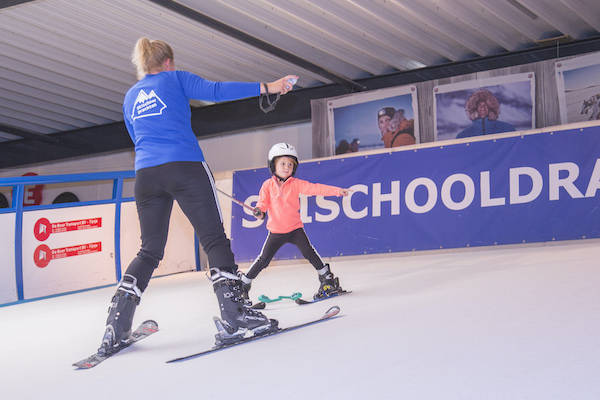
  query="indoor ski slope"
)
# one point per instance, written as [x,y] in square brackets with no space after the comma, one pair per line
[512,322]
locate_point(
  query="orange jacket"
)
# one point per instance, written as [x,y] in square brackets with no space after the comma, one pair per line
[282,202]
[403,136]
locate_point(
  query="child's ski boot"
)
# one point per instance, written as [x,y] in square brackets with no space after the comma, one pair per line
[330,284]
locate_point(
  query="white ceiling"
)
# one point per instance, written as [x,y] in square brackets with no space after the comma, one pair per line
[64,64]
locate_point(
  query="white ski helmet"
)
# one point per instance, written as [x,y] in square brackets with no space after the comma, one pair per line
[279,150]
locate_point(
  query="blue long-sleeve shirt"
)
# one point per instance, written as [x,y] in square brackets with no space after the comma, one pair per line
[157,114]
[485,126]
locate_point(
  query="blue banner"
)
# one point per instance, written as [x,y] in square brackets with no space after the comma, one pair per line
[521,189]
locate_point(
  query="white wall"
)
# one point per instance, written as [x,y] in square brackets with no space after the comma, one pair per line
[250,149]
[223,153]
[117,161]
[179,252]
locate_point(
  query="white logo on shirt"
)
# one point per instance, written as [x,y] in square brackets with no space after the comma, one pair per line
[147,105]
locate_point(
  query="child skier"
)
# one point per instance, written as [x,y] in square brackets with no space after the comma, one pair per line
[279,196]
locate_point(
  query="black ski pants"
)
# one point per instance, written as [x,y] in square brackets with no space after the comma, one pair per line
[274,242]
[192,185]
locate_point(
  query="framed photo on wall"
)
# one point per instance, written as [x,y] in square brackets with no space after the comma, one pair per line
[375,119]
[484,106]
[578,83]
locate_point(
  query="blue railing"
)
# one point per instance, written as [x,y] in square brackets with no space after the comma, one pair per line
[19,183]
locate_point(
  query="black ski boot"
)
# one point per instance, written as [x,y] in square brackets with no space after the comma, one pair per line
[120,315]
[245,288]
[237,319]
[329,284]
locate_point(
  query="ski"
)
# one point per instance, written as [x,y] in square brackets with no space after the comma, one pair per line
[329,314]
[302,302]
[145,329]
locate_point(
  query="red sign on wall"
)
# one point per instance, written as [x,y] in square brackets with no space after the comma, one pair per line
[44,254]
[33,194]
[44,228]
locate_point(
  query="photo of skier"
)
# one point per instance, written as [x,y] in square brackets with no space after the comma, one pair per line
[591,107]
[382,118]
[484,107]
[578,83]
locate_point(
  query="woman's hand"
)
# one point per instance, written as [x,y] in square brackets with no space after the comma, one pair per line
[282,85]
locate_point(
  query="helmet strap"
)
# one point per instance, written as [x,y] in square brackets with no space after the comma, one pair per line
[280,179]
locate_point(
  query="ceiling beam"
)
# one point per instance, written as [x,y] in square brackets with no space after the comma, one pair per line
[260,44]
[27,134]
[10,3]
[551,51]
[76,143]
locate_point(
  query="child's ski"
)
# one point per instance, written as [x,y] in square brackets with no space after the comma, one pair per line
[146,329]
[302,302]
[329,314]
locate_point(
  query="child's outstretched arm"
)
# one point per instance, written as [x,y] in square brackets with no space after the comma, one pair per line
[319,189]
